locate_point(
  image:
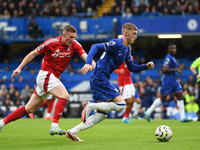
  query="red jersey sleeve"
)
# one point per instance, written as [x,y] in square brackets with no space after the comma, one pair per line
[42,48]
[78,48]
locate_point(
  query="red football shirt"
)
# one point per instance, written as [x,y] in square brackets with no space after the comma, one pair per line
[125,78]
[57,55]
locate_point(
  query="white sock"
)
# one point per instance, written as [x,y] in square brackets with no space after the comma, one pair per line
[2,124]
[53,125]
[181,108]
[155,104]
[136,108]
[90,122]
[108,106]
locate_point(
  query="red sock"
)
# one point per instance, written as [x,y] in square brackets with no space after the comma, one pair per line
[50,105]
[126,114]
[59,108]
[18,113]
[45,102]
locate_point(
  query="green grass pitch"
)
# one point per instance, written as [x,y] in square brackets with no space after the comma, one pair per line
[111,134]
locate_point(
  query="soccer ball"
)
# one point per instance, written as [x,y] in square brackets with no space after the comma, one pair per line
[163,133]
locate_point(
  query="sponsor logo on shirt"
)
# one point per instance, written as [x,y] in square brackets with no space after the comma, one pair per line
[60,54]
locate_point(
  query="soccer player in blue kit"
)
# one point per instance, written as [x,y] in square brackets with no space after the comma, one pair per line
[170,85]
[105,96]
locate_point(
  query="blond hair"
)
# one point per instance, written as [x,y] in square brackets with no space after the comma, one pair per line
[129,26]
[69,28]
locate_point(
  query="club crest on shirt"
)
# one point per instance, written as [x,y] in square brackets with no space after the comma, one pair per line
[111,43]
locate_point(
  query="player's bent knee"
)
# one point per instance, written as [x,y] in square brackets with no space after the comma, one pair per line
[120,106]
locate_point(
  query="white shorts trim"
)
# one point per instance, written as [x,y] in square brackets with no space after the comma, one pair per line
[46,81]
[127,91]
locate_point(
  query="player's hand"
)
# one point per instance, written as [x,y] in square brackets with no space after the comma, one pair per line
[150,65]
[122,71]
[198,76]
[180,67]
[85,69]
[179,71]
[16,72]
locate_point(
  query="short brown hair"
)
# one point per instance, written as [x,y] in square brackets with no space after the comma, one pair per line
[69,28]
[129,26]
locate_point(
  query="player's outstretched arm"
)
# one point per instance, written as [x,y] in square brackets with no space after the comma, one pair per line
[27,59]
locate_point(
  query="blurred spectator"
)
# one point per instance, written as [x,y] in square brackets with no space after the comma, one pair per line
[70,69]
[74,11]
[127,13]
[26,91]
[73,6]
[55,9]
[7,68]
[177,7]
[117,11]
[135,11]
[4,7]
[7,103]
[113,7]
[21,78]
[160,6]
[150,92]
[106,12]
[11,9]
[165,11]
[6,14]
[146,12]
[83,8]
[34,30]
[15,13]
[12,90]
[5,79]
[196,91]
[196,7]
[1,99]
[123,6]
[142,6]
[192,107]
[190,10]
[169,6]
[29,10]
[191,80]
[153,11]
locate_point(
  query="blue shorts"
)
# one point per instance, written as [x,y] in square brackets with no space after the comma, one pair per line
[170,88]
[136,94]
[102,90]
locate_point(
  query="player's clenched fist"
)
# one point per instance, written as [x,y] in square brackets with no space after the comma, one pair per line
[150,65]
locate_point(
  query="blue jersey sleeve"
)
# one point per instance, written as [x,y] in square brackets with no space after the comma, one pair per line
[93,51]
[166,62]
[131,66]
[111,46]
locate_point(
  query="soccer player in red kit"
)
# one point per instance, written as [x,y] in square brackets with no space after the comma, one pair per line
[127,90]
[58,54]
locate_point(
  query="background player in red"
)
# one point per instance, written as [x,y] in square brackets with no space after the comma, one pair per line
[127,90]
[58,54]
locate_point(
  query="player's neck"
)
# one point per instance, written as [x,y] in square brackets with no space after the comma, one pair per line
[125,42]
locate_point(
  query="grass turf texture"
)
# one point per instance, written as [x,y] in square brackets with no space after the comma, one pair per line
[111,134]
